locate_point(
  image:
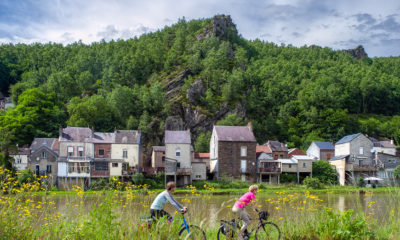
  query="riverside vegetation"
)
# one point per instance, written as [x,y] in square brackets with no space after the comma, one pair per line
[29,211]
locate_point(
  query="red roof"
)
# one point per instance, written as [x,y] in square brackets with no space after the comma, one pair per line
[202,155]
[295,151]
[263,148]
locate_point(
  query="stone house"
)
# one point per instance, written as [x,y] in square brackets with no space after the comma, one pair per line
[43,158]
[201,158]
[199,171]
[321,150]
[387,147]
[386,165]
[21,158]
[278,149]
[354,158]
[178,156]
[233,153]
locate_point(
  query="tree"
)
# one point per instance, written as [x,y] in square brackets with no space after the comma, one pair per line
[202,143]
[231,120]
[324,172]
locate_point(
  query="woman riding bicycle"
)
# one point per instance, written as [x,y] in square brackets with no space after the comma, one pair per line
[239,208]
[156,209]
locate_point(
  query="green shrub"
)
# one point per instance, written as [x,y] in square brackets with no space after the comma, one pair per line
[314,183]
[99,184]
[138,179]
[288,178]
[361,182]
[26,176]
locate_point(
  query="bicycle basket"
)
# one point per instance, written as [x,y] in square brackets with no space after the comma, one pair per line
[263,215]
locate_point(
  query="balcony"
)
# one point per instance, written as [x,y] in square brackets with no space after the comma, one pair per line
[184,171]
[269,170]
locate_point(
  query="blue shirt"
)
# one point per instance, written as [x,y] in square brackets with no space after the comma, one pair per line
[162,199]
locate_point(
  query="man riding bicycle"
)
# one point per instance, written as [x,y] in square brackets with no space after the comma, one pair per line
[156,209]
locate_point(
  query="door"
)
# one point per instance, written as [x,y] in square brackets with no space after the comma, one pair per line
[37,169]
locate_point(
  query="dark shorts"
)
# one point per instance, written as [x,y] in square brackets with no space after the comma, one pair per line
[156,214]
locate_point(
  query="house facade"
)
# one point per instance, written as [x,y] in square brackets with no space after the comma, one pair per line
[42,159]
[387,147]
[178,152]
[278,149]
[321,150]
[21,158]
[354,158]
[386,164]
[158,158]
[233,153]
[127,146]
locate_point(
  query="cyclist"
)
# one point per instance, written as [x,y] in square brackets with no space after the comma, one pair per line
[156,209]
[239,208]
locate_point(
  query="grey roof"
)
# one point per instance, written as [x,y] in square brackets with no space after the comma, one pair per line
[375,142]
[277,146]
[180,137]
[39,142]
[387,144]
[338,157]
[127,136]
[49,150]
[325,145]
[234,134]
[159,148]
[76,134]
[288,161]
[348,138]
[100,137]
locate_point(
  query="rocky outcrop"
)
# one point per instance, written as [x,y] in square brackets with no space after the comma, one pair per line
[174,123]
[195,92]
[222,27]
[358,52]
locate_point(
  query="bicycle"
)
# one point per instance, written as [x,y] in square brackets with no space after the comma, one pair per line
[186,232]
[263,230]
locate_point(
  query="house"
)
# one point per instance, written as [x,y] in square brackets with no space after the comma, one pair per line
[268,169]
[386,164]
[353,158]
[304,164]
[387,147]
[178,156]
[233,153]
[201,158]
[103,164]
[199,170]
[21,158]
[295,151]
[42,159]
[158,158]
[278,149]
[127,146]
[76,153]
[321,150]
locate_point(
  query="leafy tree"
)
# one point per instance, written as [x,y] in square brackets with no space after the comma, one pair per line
[323,171]
[202,143]
[231,120]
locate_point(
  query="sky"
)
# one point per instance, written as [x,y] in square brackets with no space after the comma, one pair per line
[337,24]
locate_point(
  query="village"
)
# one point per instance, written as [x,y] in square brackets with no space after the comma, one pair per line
[81,156]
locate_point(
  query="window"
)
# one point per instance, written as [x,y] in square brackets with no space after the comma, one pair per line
[361,151]
[304,165]
[19,161]
[198,176]
[360,162]
[281,156]
[125,153]
[163,159]
[101,152]
[243,166]
[80,151]
[44,154]
[48,169]
[290,165]
[101,166]
[70,151]
[178,165]
[114,164]
[178,153]
[328,156]
[243,151]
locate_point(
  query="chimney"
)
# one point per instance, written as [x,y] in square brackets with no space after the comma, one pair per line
[60,131]
[115,129]
[250,126]
[92,131]
[391,141]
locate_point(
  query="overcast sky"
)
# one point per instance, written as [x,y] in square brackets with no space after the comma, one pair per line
[338,24]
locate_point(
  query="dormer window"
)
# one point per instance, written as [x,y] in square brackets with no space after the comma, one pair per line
[178,152]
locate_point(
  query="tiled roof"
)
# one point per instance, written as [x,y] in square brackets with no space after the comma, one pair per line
[127,136]
[263,148]
[234,134]
[202,155]
[159,148]
[348,138]
[51,143]
[179,137]
[295,151]
[76,134]
[325,145]
[100,137]
[277,146]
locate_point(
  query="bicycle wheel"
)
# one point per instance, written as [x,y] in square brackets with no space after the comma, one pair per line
[268,231]
[226,233]
[196,233]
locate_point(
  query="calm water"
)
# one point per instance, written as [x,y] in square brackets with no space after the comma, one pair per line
[211,208]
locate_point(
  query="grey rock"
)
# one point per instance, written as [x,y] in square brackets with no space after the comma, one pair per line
[358,52]
[195,92]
